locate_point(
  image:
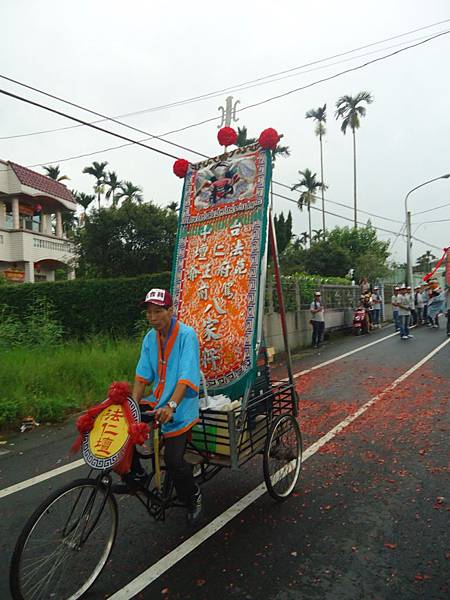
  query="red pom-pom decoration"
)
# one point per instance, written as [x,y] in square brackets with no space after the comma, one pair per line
[227,136]
[118,392]
[180,167]
[85,422]
[269,139]
[139,432]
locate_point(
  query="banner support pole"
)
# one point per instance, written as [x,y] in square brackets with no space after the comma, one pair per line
[274,250]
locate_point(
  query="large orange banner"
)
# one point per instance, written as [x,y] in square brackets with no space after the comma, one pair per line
[219,275]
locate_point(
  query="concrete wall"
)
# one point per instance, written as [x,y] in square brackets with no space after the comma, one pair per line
[300,329]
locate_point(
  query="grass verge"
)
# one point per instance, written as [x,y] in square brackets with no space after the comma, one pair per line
[50,382]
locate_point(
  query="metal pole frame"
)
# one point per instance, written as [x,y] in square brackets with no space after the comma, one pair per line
[274,250]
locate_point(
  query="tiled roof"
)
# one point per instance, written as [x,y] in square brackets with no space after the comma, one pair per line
[41,182]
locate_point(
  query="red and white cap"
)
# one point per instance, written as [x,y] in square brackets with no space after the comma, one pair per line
[159,297]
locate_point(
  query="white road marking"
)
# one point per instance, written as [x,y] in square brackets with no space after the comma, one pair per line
[169,560]
[79,463]
[341,356]
[12,489]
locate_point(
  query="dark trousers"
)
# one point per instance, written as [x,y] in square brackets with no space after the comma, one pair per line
[413,316]
[448,321]
[179,470]
[317,332]
[425,313]
[418,315]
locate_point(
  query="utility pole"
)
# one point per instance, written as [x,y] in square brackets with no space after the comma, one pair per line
[409,272]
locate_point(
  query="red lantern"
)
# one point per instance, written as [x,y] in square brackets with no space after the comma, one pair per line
[180,167]
[227,136]
[37,209]
[269,139]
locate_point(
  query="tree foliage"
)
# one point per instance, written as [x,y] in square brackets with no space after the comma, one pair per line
[127,241]
[283,231]
[338,251]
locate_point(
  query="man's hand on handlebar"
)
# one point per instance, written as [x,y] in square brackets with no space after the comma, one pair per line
[164,414]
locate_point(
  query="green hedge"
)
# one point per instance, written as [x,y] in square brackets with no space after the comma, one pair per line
[86,307]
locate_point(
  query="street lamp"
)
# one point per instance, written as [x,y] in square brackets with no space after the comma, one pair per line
[409,271]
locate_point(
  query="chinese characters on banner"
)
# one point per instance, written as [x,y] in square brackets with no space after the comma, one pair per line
[220,262]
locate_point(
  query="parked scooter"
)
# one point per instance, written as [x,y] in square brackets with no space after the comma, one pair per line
[360,321]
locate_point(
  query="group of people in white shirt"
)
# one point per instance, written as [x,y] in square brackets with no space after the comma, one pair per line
[421,307]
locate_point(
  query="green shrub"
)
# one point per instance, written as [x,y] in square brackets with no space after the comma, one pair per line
[85,307]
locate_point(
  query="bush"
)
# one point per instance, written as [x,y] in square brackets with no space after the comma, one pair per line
[82,307]
[38,327]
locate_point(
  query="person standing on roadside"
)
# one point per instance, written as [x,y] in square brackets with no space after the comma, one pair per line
[425,298]
[376,306]
[365,286]
[435,307]
[404,313]
[412,307]
[317,320]
[418,305]
[394,302]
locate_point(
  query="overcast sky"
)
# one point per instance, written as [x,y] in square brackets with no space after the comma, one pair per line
[116,58]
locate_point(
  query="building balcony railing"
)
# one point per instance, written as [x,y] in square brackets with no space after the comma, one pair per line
[65,246]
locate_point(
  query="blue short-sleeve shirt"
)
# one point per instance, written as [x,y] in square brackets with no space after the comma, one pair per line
[179,362]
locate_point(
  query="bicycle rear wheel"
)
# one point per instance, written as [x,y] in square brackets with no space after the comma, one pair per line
[282,458]
[65,543]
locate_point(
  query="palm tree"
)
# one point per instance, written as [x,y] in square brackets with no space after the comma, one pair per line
[130,192]
[349,109]
[84,200]
[318,235]
[55,173]
[173,206]
[112,181]
[320,117]
[97,170]
[303,238]
[307,197]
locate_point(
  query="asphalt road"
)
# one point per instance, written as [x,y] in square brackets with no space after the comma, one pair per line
[367,521]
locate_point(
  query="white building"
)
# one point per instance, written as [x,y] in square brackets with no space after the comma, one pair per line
[32,241]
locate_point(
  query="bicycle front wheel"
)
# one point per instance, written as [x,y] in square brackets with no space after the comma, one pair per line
[65,544]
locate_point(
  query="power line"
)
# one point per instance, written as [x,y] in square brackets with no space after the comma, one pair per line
[237,87]
[104,117]
[15,96]
[358,222]
[343,205]
[431,209]
[61,114]
[210,119]
[350,70]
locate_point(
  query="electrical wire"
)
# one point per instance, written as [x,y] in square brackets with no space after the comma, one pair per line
[431,209]
[341,204]
[213,118]
[237,87]
[350,70]
[358,222]
[93,112]
[61,114]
